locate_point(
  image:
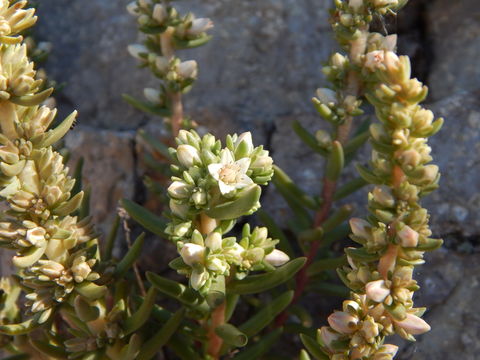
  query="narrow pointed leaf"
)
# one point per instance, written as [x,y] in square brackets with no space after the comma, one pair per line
[308,138]
[144,217]
[326,264]
[349,188]
[174,289]
[154,344]
[283,181]
[130,351]
[259,283]
[29,257]
[32,100]
[69,206]
[313,347]
[54,135]
[139,318]
[50,350]
[20,328]
[146,107]
[261,347]
[110,242]
[190,44]
[130,258]
[266,315]
[335,162]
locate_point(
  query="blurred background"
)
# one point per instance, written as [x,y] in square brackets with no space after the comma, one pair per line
[258,74]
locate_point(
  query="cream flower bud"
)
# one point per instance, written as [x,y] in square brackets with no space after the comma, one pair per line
[52,269]
[198,279]
[187,155]
[188,69]
[181,210]
[386,352]
[179,190]
[326,96]
[36,236]
[199,26]
[377,291]
[152,95]
[277,258]
[355,4]
[159,13]
[392,61]
[328,335]
[192,254]
[217,265]
[199,197]
[138,51]
[408,237]
[338,60]
[383,3]
[214,241]
[343,322]
[359,228]
[430,173]
[132,8]
[413,325]
[383,196]
[162,64]
[245,139]
[144,3]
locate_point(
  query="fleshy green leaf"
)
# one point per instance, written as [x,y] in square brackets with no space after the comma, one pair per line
[231,335]
[261,347]
[246,200]
[146,107]
[144,217]
[139,318]
[130,258]
[313,347]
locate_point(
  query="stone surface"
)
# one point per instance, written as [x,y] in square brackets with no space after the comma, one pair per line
[454,29]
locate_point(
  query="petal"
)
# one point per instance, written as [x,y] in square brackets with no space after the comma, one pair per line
[226,157]
[224,188]
[243,181]
[244,164]
[214,170]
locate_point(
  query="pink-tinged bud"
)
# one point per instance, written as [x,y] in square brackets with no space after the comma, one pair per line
[377,291]
[277,258]
[342,322]
[192,253]
[359,228]
[328,335]
[413,325]
[159,13]
[188,69]
[200,26]
[386,352]
[187,155]
[388,260]
[408,237]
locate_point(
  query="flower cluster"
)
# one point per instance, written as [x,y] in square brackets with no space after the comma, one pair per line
[167,31]
[211,188]
[14,19]
[396,235]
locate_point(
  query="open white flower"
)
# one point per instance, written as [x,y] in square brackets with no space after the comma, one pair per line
[231,175]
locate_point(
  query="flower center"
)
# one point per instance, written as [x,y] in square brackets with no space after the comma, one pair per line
[228,174]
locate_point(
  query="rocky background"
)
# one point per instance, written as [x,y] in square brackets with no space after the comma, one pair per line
[258,74]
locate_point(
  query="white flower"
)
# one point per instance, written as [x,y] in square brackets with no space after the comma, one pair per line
[187,155]
[355,4]
[199,26]
[374,59]
[188,69]
[383,3]
[231,175]
[277,258]
[192,253]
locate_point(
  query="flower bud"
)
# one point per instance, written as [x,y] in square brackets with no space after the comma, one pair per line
[408,237]
[179,190]
[199,26]
[188,69]
[413,325]
[386,352]
[326,96]
[392,61]
[144,3]
[383,196]
[199,197]
[152,95]
[342,322]
[355,4]
[277,258]
[198,279]
[244,145]
[181,210]
[338,60]
[377,291]
[162,64]
[138,51]
[214,241]
[328,336]
[192,254]
[36,236]
[359,228]
[187,155]
[383,3]
[80,269]
[370,329]
[159,13]
[132,8]
[217,265]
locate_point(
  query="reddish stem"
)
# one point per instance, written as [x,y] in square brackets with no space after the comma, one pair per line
[214,341]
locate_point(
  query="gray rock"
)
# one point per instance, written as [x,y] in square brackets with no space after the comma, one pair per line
[454,30]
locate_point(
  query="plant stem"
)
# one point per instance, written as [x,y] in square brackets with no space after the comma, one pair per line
[175,97]
[214,341]
[352,88]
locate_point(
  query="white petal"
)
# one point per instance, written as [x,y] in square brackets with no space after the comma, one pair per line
[243,181]
[226,157]
[244,164]
[214,170]
[224,188]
